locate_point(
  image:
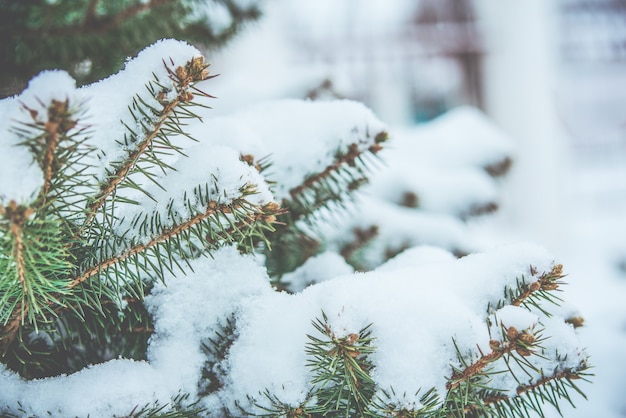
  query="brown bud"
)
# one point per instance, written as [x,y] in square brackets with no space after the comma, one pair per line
[523,351]
[381,137]
[185,96]
[527,338]
[351,338]
[247,158]
[271,207]
[534,286]
[181,73]
[354,353]
[269,219]
[494,345]
[512,333]
[557,270]
[576,321]
[549,285]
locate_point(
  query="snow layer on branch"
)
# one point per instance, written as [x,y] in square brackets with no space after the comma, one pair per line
[187,311]
[303,137]
[397,228]
[21,176]
[443,164]
[461,137]
[110,99]
[317,269]
[417,303]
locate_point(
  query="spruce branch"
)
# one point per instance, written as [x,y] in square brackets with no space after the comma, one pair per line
[340,366]
[516,349]
[346,173]
[33,263]
[277,408]
[532,294]
[529,397]
[236,232]
[334,184]
[183,79]
[386,405]
[523,343]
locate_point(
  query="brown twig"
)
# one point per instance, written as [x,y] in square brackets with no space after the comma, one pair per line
[522,389]
[475,368]
[546,282]
[90,13]
[167,234]
[10,331]
[123,170]
[521,342]
[267,214]
[348,158]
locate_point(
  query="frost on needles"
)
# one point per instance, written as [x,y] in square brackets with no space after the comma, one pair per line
[157,259]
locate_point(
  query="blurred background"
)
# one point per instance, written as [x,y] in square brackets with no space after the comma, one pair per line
[550,73]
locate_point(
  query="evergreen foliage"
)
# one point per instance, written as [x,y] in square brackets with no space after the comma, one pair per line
[79,257]
[91,39]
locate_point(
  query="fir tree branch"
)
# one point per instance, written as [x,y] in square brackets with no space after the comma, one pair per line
[183,78]
[515,341]
[492,399]
[18,254]
[362,237]
[267,214]
[565,374]
[348,158]
[546,282]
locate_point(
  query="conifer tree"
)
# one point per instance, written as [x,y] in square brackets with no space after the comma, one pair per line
[91,39]
[144,244]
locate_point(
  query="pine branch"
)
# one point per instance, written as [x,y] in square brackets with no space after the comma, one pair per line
[430,405]
[335,183]
[329,185]
[342,383]
[528,294]
[548,389]
[515,341]
[266,214]
[183,79]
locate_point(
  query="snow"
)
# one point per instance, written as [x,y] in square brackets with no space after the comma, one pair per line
[418,302]
[437,300]
[317,269]
[47,86]
[110,99]
[323,127]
